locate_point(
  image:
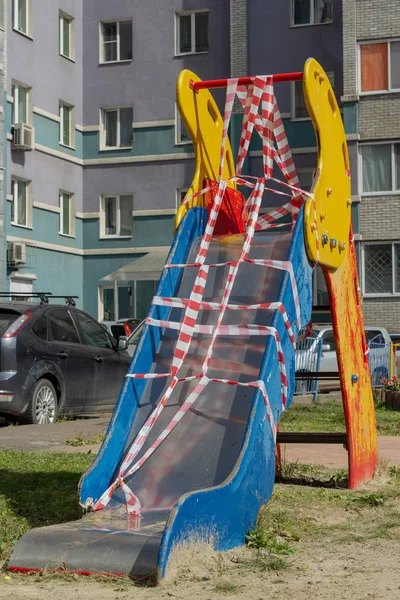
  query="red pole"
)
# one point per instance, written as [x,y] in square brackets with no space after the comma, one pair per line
[221,83]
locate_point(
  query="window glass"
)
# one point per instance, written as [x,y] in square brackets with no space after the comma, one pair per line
[126,205]
[22,14]
[93,333]
[111,124]
[110,206]
[201,31]
[395,65]
[134,339]
[322,11]
[22,104]
[108,304]
[302,13]
[110,42]
[62,327]
[378,268]
[125,40]
[374,67]
[65,36]
[397,267]
[126,118]
[40,327]
[375,337]
[329,338]
[185,35]
[22,209]
[65,114]
[377,168]
[65,212]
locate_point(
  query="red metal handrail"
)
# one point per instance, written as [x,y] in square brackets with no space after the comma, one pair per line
[212,84]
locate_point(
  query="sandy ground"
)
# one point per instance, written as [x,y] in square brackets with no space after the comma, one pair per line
[341,571]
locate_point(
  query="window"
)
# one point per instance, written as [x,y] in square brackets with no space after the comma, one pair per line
[62,327]
[116,215]
[381,268]
[22,106]
[182,135]
[67,125]
[380,66]
[67,35]
[191,29]
[117,128]
[22,16]
[180,196]
[311,12]
[40,327]
[299,108]
[67,214]
[21,208]
[93,333]
[115,41]
[380,168]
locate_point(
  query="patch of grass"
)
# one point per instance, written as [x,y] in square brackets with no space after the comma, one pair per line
[226,587]
[328,417]
[277,564]
[37,489]
[79,440]
[373,499]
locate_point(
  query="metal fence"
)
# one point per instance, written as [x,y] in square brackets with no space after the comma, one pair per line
[379,358]
[308,358]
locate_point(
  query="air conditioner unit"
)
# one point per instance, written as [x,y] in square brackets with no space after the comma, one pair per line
[23,136]
[16,253]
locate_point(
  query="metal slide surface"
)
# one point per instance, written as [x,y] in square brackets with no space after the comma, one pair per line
[223,446]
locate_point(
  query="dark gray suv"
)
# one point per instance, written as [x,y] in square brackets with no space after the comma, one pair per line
[56,360]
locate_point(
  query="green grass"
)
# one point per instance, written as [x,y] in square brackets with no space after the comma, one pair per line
[79,440]
[329,417]
[37,489]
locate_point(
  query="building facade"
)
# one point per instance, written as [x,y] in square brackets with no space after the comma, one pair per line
[371,109]
[97,159]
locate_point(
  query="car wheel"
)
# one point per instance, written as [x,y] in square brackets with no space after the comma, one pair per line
[42,408]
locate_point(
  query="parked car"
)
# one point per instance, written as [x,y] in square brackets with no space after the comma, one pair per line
[56,360]
[378,340]
[122,327]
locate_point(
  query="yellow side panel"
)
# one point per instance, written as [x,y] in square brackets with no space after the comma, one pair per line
[332,194]
[205,125]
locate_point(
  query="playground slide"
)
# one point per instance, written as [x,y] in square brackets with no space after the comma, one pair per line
[210,475]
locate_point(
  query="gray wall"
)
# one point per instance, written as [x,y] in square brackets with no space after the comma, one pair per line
[275,47]
[148,81]
[38,63]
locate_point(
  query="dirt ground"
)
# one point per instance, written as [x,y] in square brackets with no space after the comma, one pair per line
[318,570]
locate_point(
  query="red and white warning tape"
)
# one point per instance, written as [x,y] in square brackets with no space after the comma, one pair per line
[270,127]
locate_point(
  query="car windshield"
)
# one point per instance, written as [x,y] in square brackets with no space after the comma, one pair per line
[134,338]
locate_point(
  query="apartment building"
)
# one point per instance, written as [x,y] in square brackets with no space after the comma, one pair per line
[371,108]
[97,159]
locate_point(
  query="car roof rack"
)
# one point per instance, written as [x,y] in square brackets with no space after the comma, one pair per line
[43,297]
